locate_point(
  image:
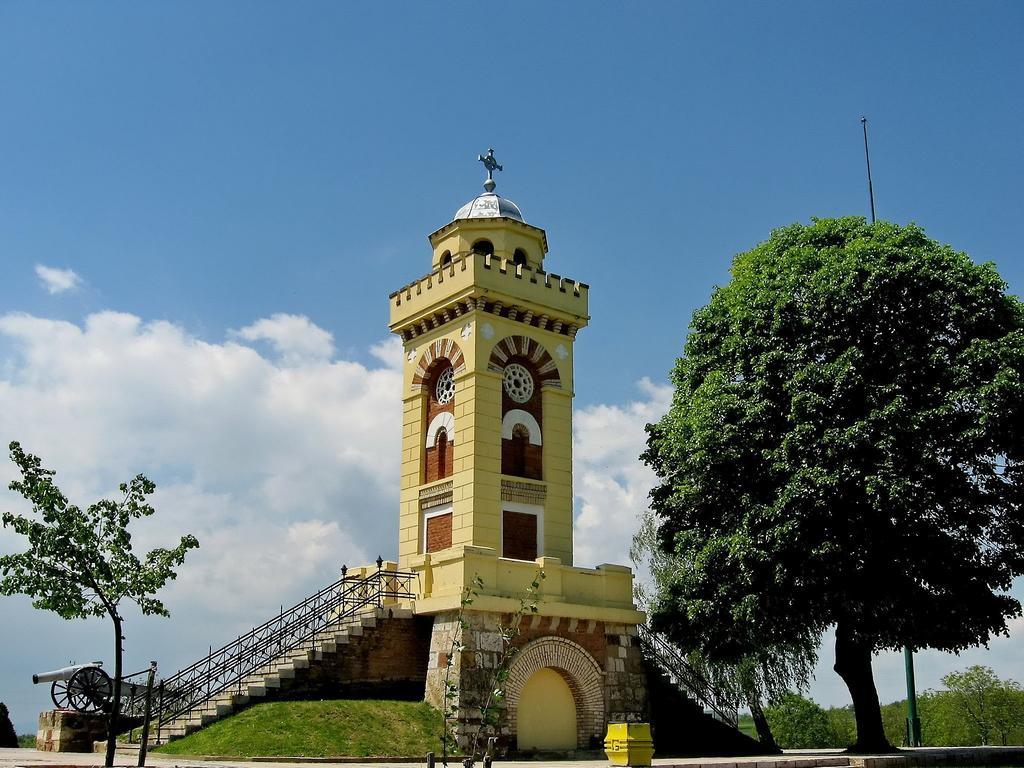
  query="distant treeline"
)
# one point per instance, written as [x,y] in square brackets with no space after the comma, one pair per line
[976,708]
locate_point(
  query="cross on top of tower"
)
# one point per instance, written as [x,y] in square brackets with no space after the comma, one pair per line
[491,165]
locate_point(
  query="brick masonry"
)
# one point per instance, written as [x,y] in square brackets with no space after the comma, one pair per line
[601,663]
[518,456]
[439,459]
[386,660]
[519,535]
[439,532]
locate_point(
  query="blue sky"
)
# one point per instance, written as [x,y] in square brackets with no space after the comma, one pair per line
[204,167]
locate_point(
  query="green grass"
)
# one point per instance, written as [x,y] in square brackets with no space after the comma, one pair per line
[347,727]
[746,725]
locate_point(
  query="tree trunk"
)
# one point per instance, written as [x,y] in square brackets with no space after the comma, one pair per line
[764,731]
[853,664]
[115,704]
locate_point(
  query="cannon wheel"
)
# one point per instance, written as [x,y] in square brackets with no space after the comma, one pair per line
[59,694]
[89,689]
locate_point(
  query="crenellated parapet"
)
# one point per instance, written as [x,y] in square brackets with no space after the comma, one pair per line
[487,283]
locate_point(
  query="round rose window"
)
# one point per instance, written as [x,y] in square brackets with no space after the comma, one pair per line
[445,390]
[518,382]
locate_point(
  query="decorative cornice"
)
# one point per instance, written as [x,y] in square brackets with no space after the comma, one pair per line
[523,492]
[436,495]
[512,312]
[561,321]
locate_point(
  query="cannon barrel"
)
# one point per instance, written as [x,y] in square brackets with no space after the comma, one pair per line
[64,673]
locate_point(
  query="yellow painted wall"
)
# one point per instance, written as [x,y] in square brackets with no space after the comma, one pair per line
[476,479]
[476,474]
[506,236]
[546,713]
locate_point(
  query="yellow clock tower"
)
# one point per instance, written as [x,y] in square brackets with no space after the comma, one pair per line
[486,471]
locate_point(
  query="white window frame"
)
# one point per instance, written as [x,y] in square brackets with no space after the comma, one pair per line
[519,416]
[444,509]
[530,509]
[445,420]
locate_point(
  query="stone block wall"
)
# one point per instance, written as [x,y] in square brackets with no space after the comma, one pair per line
[66,731]
[389,659]
[601,662]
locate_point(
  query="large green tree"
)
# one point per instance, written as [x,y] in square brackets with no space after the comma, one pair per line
[844,447]
[993,707]
[80,563]
[764,675]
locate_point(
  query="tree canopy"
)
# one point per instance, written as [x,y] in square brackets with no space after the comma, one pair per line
[993,708]
[8,738]
[80,562]
[799,723]
[844,447]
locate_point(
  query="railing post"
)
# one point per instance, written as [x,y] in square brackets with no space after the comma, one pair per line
[160,711]
[380,582]
[147,712]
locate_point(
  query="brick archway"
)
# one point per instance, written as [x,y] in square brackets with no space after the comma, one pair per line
[524,346]
[442,348]
[577,667]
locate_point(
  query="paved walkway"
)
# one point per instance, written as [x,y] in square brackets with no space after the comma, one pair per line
[909,758]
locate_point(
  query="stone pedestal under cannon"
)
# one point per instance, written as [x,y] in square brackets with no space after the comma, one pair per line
[69,731]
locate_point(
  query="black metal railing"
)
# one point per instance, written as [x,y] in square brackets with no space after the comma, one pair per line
[683,674]
[228,667]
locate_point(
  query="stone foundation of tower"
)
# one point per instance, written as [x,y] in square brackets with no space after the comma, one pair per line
[599,661]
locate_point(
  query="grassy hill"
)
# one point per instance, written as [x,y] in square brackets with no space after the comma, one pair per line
[346,727]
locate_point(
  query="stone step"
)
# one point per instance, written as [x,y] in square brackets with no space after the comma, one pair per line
[256,685]
[394,613]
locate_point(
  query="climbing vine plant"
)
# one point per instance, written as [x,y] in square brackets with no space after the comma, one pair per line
[478,730]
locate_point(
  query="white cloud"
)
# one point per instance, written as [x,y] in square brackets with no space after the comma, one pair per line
[57,280]
[611,485]
[284,467]
[293,337]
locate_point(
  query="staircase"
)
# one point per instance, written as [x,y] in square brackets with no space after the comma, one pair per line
[688,680]
[689,716]
[272,655]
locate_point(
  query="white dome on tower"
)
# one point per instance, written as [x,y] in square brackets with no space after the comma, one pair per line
[489,206]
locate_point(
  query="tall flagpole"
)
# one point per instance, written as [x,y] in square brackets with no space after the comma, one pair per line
[913,720]
[867,160]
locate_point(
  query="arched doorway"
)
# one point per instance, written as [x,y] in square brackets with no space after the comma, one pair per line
[547,713]
[578,673]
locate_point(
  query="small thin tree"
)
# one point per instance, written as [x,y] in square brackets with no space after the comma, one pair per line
[490,705]
[80,562]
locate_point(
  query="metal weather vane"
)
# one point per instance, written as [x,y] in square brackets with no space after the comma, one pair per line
[491,165]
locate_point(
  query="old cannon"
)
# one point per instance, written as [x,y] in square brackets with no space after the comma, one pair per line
[83,687]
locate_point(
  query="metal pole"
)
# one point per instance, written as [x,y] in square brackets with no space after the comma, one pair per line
[160,716]
[867,159]
[146,714]
[913,721]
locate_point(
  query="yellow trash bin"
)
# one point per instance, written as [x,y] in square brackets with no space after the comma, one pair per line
[629,744]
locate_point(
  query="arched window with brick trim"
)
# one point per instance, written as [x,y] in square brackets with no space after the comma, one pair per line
[521,443]
[439,443]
